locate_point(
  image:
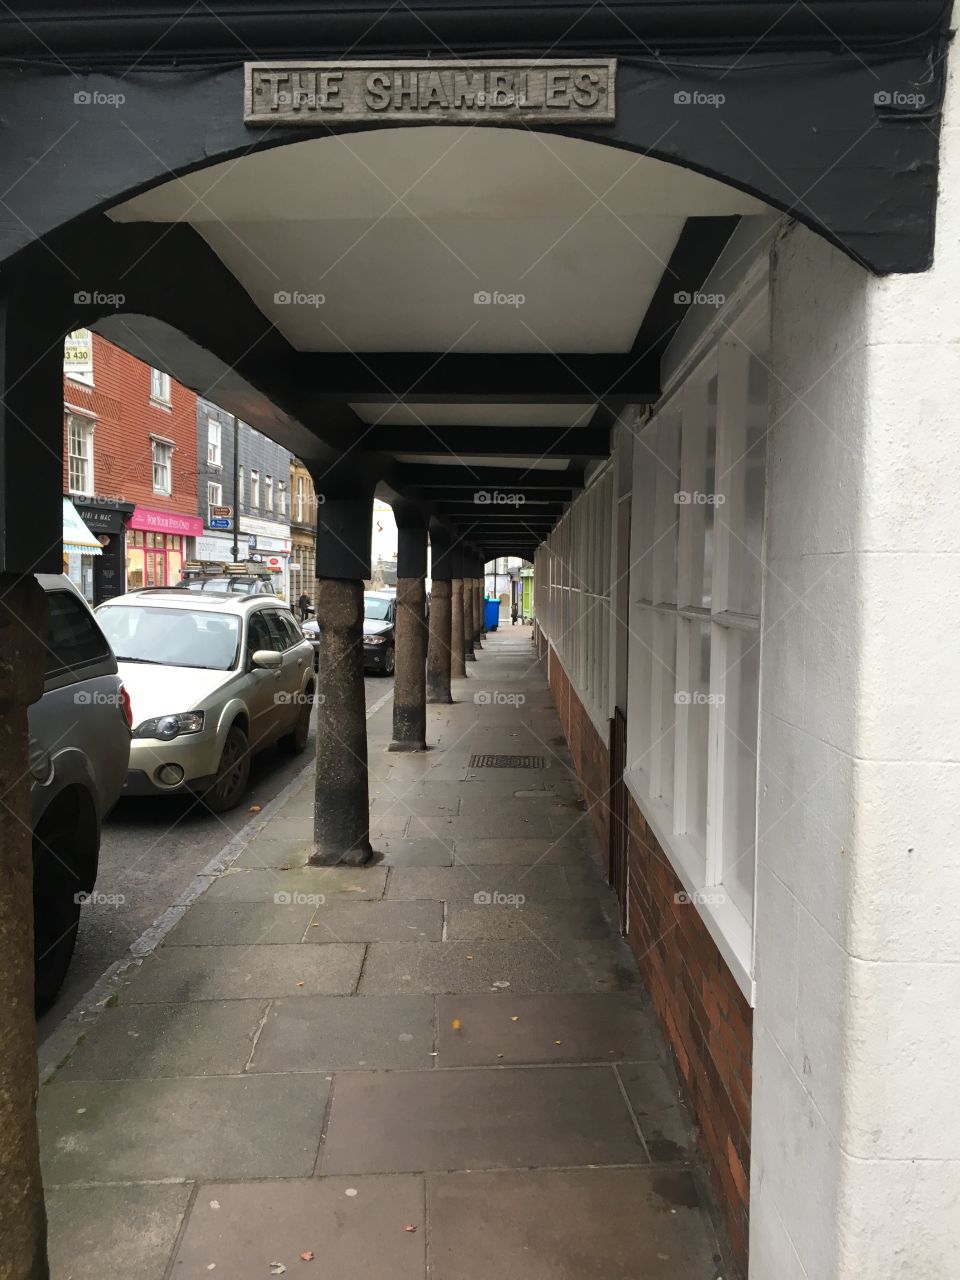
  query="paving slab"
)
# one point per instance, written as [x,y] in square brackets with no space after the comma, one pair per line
[497,1030]
[339,921]
[250,923]
[178,974]
[267,851]
[516,851]
[449,884]
[140,1041]
[238,884]
[584,1224]
[397,852]
[356,1236]
[97,1233]
[663,1119]
[439,967]
[219,1127]
[334,1033]
[523,921]
[411,1121]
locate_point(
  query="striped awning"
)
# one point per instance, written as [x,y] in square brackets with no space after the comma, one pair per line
[76,536]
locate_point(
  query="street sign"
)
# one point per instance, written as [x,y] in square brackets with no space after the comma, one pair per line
[221,511]
[220,522]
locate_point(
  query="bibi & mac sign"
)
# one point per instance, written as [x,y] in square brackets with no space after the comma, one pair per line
[481,92]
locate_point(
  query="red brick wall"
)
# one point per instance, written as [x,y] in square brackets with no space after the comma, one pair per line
[703,1014]
[591,755]
[122,463]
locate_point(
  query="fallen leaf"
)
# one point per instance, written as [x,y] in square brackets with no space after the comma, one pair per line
[456,1024]
[214,1204]
[307,1255]
[277,1268]
[514,1018]
[410,1227]
[301,984]
[255,808]
[557,1042]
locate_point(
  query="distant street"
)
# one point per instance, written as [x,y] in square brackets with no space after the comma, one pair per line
[151,850]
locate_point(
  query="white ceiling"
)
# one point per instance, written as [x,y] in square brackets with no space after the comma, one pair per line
[398,229]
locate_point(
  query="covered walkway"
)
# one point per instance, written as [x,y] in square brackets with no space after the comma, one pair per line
[440,1063]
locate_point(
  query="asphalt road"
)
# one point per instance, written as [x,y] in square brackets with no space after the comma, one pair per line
[150,851]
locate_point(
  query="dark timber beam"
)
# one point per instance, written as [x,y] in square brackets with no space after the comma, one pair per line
[418,377]
[431,480]
[535,442]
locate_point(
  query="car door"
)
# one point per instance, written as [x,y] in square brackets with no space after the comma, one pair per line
[295,661]
[263,687]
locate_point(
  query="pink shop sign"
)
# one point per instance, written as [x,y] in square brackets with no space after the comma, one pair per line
[165,522]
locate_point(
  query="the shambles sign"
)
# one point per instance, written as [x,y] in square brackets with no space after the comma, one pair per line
[481,92]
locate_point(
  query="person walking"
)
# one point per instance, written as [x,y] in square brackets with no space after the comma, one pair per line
[514,612]
[304,605]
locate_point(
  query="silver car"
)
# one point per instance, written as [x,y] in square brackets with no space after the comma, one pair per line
[79,752]
[212,678]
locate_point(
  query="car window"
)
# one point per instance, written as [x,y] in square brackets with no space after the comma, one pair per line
[377,608]
[291,628]
[260,635]
[287,635]
[172,637]
[73,640]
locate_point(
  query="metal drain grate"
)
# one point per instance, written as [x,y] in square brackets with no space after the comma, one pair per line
[506,762]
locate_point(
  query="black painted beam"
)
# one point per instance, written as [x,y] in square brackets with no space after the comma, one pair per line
[459,442]
[432,480]
[384,377]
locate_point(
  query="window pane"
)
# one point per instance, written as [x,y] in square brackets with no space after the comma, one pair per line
[745,485]
[665,712]
[73,638]
[696,707]
[668,485]
[740,767]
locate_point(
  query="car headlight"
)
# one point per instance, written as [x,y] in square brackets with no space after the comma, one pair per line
[168,727]
[374,639]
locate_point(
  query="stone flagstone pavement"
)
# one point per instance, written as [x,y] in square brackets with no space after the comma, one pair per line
[441,1065]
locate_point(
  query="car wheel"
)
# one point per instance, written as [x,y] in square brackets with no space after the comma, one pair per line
[389,660]
[296,740]
[232,774]
[56,917]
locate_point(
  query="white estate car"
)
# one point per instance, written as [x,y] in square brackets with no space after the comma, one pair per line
[212,679]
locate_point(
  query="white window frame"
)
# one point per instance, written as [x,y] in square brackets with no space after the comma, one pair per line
[268,493]
[214,497]
[85,458]
[300,488]
[282,492]
[214,442]
[161,455]
[700,867]
[255,490]
[160,387]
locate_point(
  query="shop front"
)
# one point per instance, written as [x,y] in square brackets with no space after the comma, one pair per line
[106,520]
[157,547]
[272,553]
[80,550]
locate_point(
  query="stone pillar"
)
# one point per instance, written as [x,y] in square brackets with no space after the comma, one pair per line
[468,654]
[438,649]
[31,532]
[341,815]
[410,681]
[477,608]
[23,623]
[458,669]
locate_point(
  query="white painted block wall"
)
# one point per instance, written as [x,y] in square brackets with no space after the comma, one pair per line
[856,1122]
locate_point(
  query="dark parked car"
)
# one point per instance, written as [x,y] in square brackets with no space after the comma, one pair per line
[379,631]
[79,752]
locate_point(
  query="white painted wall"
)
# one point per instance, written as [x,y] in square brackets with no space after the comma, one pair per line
[856,1128]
